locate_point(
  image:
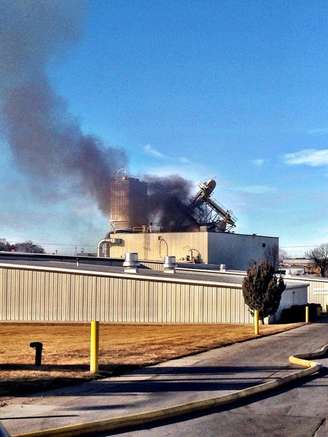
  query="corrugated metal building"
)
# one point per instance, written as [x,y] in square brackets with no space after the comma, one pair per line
[317,291]
[44,291]
[317,287]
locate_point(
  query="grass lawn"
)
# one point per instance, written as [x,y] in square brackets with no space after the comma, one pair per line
[122,347]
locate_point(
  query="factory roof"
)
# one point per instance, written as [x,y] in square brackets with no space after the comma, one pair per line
[194,232]
[88,267]
[104,270]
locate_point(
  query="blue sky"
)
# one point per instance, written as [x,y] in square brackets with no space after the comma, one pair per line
[235,90]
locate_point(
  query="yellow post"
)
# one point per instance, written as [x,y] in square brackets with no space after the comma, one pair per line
[94,346]
[256,322]
[307,314]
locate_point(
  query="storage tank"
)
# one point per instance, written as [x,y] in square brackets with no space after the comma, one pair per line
[128,208]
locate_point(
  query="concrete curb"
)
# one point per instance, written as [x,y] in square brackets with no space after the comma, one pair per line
[117,423]
[304,360]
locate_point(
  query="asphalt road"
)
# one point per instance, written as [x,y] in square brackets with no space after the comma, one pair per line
[299,411]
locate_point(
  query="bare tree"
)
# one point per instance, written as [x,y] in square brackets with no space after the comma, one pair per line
[4,245]
[319,258]
[28,247]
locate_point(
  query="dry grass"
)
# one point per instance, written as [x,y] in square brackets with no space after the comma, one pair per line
[66,348]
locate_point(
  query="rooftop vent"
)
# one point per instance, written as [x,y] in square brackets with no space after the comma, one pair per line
[169,264]
[131,263]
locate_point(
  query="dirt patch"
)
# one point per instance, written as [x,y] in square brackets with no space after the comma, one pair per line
[122,347]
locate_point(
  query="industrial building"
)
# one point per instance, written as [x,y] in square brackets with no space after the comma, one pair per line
[196,229]
[151,221]
[39,288]
[236,251]
[317,286]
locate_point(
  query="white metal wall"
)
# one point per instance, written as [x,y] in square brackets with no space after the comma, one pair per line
[292,296]
[152,265]
[318,289]
[41,295]
[239,251]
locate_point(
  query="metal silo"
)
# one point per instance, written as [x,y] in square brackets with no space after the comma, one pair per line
[128,209]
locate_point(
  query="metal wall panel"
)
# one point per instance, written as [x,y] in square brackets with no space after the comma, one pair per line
[58,296]
[297,295]
[152,265]
[155,245]
[238,251]
[318,292]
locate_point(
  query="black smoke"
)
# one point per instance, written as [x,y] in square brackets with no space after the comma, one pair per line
[47,143]
[168,202]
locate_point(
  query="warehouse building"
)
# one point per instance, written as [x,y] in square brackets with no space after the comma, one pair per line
[48,290]
[317,287]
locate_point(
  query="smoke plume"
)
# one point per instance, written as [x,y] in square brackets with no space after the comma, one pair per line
[46,141]
[168,202]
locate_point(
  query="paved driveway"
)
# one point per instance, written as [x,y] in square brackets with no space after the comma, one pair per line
[209,374]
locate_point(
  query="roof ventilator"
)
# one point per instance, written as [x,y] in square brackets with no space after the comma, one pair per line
[131,263]
[169,264]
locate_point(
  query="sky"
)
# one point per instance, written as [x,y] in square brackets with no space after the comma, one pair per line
[233,90]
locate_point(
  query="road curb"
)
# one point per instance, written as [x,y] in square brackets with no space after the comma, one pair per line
[304,360]
[117,423]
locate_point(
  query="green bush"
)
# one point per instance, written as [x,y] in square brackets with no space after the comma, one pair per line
[262,289]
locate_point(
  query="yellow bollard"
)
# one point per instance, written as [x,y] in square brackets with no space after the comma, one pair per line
[256,322]
[307,314]
[94,346]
